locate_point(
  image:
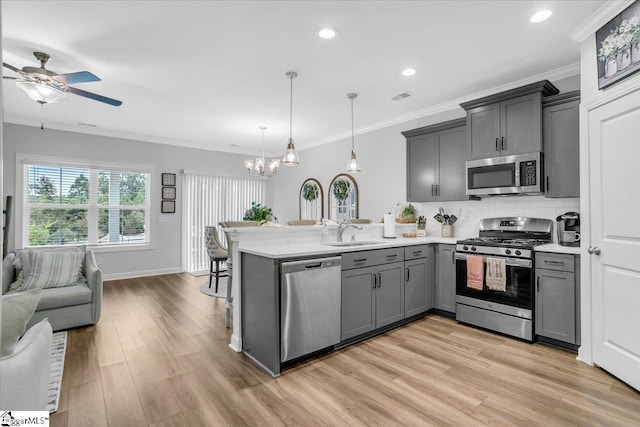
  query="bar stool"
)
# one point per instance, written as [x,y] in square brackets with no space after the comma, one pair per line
[217,254]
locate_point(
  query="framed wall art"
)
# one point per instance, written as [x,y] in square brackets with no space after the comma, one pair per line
[618,46]
[169,193]
[169,179]
[168,206]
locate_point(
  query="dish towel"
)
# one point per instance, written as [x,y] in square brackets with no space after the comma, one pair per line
[475,272]
[496,274]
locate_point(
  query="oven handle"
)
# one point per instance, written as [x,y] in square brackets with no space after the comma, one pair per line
[514,262]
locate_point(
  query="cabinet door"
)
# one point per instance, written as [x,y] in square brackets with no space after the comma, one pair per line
[521,125]
[562,149]
[358,302]
[421,168]
[389,298]
[483,128]
[555,305]
[419,285]
[446,274]
[452,152]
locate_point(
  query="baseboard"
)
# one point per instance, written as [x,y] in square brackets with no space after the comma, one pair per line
[134,274]
[236,344]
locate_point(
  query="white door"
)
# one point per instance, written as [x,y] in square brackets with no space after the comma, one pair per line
[614,247]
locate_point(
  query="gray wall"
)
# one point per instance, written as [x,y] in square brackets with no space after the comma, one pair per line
[166,228]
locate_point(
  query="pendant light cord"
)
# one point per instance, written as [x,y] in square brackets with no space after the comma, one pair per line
[291,108]
[352,136]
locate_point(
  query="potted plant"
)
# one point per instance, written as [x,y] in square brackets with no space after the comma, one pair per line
[407,214]
[258,213]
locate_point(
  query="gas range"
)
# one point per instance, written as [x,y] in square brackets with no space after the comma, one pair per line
[513,237]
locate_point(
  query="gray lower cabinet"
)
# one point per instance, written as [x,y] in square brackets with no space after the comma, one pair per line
[436,162]
[419,292]
[372,295]
[557,297]
[560,122]
[446,278]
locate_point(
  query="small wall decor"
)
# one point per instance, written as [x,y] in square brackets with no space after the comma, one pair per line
[169,193]
[169,179]
[618,46]
[168,206]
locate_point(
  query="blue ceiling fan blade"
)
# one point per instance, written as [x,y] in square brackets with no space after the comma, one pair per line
[94,96]
[79,77]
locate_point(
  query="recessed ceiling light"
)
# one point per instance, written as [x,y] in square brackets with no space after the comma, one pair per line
[327,33]
[408,72]
[543,15]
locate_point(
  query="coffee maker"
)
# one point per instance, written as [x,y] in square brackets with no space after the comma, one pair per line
[568,226]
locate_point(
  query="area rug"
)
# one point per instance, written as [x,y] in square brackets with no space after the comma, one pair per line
[58,349]
[211,291]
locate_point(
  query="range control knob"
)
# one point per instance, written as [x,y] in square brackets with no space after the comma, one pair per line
[518,252]
[473,248]
[507,251]
[465,247]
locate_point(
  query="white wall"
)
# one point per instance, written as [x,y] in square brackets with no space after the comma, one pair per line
[382,182]
[166,235]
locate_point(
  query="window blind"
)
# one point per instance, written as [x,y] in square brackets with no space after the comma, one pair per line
[208,200]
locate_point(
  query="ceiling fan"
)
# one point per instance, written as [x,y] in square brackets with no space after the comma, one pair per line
[45,86]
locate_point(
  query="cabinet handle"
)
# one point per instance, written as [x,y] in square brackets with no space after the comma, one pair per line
[538,284]
[547,183]
[406,279]
[437,189]
[379,280]
[417,253]
[375,280]
[432,190]
[497,148]
[392,256]
[453,257]
[553,262]
[502,144]
[360,260]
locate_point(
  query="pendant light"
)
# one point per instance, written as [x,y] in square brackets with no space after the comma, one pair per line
[290,157]
[258,165]
[352,166]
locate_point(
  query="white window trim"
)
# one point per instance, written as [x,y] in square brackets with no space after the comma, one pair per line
[22,158]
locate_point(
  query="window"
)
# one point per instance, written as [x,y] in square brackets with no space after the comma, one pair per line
[94,205]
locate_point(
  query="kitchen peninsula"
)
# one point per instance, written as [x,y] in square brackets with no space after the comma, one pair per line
[401,272]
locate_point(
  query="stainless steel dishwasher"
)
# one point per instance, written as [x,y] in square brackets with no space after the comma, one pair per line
[310,297]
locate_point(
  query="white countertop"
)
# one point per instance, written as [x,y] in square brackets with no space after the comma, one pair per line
[556,248]
[283,250]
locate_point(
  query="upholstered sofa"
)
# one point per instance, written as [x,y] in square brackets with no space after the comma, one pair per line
[66,306]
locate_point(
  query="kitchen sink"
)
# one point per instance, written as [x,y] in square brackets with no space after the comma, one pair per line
[349,244]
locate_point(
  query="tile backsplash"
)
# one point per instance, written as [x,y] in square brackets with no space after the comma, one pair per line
[471,212]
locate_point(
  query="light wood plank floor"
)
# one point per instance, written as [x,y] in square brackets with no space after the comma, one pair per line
[159,356]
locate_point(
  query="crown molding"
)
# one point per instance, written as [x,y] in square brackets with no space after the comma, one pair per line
[598,19]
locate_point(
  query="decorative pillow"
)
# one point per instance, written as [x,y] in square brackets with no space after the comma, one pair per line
[19,254]
[17,310]
[48,269]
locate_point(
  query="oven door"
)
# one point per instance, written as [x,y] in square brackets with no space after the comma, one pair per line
[519,289]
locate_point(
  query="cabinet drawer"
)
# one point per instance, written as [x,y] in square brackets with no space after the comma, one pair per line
[560,262]
[415,252]
[369,258]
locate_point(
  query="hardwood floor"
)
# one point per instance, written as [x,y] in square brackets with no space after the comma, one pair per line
[159,357]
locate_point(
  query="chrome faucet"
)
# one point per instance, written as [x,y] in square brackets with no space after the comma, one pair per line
[343,226]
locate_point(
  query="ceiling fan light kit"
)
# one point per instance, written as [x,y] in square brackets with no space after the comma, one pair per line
[45,86]
[290,157]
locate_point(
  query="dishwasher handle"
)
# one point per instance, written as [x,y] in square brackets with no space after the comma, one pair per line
[309,264]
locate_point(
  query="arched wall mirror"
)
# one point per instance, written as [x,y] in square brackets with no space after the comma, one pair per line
[311,200]
[343,198]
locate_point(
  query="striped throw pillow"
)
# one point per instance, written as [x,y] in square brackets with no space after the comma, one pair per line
[45,269]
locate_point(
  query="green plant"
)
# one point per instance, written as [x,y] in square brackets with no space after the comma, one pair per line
[310,191]
[408,211]
[258,212]
[341,189]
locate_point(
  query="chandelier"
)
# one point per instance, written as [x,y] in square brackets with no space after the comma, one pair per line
[258,166]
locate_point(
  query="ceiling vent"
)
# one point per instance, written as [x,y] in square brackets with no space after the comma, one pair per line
[401,96]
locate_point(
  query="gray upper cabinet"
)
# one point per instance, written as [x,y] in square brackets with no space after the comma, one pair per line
[560,122]
[435,162]
[506,123]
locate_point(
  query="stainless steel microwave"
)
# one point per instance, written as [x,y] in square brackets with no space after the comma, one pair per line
[515,174]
